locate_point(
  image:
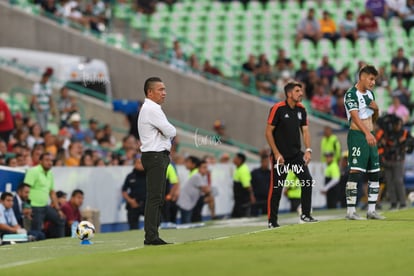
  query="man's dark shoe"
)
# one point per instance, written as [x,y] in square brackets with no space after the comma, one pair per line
[158,241]
[273,225]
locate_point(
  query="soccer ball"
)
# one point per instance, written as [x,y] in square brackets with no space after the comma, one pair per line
[85,230]
[411,197]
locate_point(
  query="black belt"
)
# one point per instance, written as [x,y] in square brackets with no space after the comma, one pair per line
[166,152]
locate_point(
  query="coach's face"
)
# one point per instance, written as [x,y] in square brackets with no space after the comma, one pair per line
[157,92]
[296,94]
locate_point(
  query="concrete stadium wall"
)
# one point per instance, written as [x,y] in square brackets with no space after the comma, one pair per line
[191,99]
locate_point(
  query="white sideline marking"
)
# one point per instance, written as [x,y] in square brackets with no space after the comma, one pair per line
[21,263]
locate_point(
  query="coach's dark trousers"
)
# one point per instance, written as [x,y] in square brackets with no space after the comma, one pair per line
[278,177]
[155,165]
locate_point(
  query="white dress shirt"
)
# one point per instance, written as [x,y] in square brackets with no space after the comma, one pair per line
[154,130]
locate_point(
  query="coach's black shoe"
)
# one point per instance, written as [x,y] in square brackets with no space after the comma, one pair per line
[307,219]
[158,241]
[273,225]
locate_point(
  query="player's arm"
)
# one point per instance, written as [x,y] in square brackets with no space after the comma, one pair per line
[272,144]
[373,105]
[307,142]
[361,126]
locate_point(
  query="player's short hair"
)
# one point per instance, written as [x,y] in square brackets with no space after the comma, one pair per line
[195,160]
[149,82]
[368,69]
[291,85]
[22,186]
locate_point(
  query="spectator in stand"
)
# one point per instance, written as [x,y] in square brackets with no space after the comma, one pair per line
[3,160]
[402,92]
[66,106]
[10,162]
[248,71]
[194,64]
[50,143]
[250,65]
[378,8]
[320,101]
[109,136]
[348,27]
[400,65]
[6,121]
[399,109]
[407,16]
[49,7]
[368,26]
[308,28]
[210,69]
[42,101]
[178,61]
[76,131]
[338,107]
[383,80]
[264,81]
[326,70]
[341,84]
[71,209]
[74,154]
[35,136]
[395,7]
[283,59]
[328,27]
[86,160]
[302,74]
[36,152]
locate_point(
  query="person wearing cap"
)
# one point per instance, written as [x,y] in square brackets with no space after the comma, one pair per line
[242,188]
[332,177]
[6,121]
[75,129]
[42,102]
[156,134]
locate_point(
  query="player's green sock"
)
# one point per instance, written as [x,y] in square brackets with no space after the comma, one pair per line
[373,190]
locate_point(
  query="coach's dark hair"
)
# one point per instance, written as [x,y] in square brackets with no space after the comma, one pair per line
[149,82]
[44,154]
[5,194]
[290,86]
[368,69]
[76,192]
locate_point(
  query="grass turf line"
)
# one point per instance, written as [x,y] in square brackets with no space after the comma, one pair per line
[332,247]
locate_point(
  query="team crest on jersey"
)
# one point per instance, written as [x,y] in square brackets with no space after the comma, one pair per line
[300,115]
[354,161]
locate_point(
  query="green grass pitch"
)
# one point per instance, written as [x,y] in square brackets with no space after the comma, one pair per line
[331,247]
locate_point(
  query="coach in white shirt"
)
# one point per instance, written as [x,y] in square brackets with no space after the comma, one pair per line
[156,134]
